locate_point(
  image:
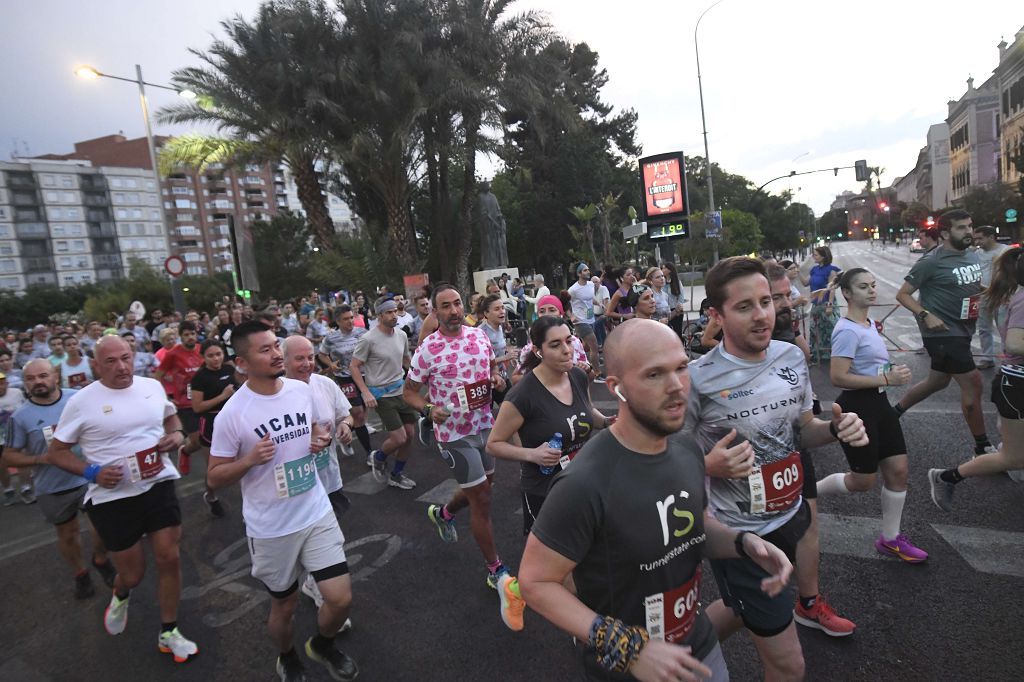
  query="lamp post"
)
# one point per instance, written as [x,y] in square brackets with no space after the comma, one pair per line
[89,73]
[703,121]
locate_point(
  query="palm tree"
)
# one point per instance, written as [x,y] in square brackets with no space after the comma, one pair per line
[585,215]
[266,89]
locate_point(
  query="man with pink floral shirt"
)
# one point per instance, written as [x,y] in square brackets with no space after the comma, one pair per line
[459,369]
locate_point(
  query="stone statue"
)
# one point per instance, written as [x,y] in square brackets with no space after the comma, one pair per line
[493,247]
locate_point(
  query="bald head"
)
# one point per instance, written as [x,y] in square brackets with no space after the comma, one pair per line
[36,366]
[633,338]
[296,345]
[110,344]
[299,358]
[114,362]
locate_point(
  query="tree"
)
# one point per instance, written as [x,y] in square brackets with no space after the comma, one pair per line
[987,205]
[741,234]
[284,255]
[915,215]
[40,303]
[832,223]
[267,87]
[585,215]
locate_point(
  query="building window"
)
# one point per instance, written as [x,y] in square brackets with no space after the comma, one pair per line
[6,249]
[68,197]
[51,196]
[131,183]
[8,265]
[67,181]
[61,246]
[73,213]
[121,213]
[119,197]
[182,203]
[116,182]
[136,213]
[65,262]
[79,245]
[58,230]
[48,180]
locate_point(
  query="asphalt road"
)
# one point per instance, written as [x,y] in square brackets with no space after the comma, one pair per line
[423,612]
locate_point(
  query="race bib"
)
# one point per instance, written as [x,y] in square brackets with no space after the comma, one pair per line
[671,615]
[77,380]
[350,391]
[188,392]
[776,487]
[145,464]
[884,369]
[48,433]
[323,458]
[569,455]
[295,477]
[969,307]
[474,396]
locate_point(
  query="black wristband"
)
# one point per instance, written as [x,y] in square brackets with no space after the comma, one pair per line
[833,430]
[184,434]
[739,543]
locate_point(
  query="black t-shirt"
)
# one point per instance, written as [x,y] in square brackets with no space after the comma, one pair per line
[212,384]
[634,525]
[544,416]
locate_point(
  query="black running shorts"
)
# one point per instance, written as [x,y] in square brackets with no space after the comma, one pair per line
[882,424]
[1008,392]
[122,523]
[950,354]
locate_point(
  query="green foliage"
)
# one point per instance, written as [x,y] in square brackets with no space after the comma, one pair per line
[741,234]
[284,255]
[40,303]
[144,283]
[205,291]
[914,215]
[987,206]
[832,223]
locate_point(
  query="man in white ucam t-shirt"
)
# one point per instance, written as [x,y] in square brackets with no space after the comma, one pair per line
[125,427]
[266,437]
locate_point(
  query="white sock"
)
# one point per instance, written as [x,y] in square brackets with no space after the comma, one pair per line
[892,512]
[833,484]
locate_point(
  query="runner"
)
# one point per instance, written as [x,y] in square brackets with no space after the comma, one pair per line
[336,352]
[553,398]
[143,363]
[75,371]
[812,610]
[265,437]
[607,522]
[550,306]
[641,299]
[950,284]
[1007,289]
[213,384]
[7,368]
[10,400]
[59,493]
[581,313]
[176,369]
[457,366]
[383,355]
[759,390]
[988,250]
[862,368]
[130,495]
[618,310]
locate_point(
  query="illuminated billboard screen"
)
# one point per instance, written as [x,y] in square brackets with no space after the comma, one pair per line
[664,185]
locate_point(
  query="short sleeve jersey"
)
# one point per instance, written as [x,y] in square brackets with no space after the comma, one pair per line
[863,345]
[331,407]
[284,495]
[9,402]
[181,364]
[32,426]
[582,301]
[75,376]
[120,427]
[763,401]
[212,384]
[579,353]
[544,415]
[496,337]
[339,347]
[950,286]
[986,258]
[382,356]
[457,372]
[634,525]
[1014,319]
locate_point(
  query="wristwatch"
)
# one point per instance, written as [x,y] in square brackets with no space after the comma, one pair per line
[923,314]
[426,410]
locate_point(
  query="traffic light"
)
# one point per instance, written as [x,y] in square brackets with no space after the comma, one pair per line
[882,206]
[930,222]
[856,222]
[860,169]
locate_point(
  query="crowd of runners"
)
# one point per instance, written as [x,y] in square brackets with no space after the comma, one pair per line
[709,454]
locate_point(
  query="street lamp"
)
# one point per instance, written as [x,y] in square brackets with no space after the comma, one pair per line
[90,73]
[703,121]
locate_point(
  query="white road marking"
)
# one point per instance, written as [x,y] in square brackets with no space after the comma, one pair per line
[440,493]
[997,552]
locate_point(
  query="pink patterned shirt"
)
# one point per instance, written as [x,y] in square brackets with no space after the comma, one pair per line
[457,372]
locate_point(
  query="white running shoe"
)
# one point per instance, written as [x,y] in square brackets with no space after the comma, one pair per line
[310,589]
[174,642]
[116,616]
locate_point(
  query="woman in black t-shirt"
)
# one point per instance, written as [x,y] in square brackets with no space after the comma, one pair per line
[553,397]
[209,389]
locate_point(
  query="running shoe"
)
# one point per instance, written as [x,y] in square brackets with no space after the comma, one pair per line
[1016,475]
[116,616]
[401,481]
[290,669]
[310,589]
[9,497]
[379,467]
[339,665]
[942,492]
[215,505]
[27,495]
[347,450]
[900,547]
[184,462]
[493,578]
[600,379]
[173,642]
[821,617]
[106,571]
[512,603]
[425,431]
[83,586]
[446,529]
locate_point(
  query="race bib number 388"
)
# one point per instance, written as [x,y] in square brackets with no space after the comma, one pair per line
[775,487]
[671,615]
[474,396]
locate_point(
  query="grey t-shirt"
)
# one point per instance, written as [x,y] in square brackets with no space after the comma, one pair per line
[634,526]
[950,286]
[340,346]
[764,402]
[863,345]
[382,356]
[31,430]
[986,258]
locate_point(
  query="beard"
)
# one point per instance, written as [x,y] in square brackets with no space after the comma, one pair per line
[783,319]
[961,244]
[652,421]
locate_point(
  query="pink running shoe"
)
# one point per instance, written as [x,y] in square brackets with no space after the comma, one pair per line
[901,547]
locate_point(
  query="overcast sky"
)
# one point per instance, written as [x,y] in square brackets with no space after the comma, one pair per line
[842,80]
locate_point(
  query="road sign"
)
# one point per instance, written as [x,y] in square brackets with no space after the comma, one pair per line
[1011,215]
[174,266]
[713,224]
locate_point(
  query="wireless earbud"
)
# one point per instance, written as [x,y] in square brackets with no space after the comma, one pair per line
[618,392]
[539,356]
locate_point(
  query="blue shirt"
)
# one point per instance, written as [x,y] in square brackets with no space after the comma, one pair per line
[31,430]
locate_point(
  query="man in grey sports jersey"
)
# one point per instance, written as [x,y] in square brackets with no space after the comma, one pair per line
[758,392]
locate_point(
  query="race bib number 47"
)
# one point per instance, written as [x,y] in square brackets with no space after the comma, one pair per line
[145,464]
[671,615]
[775,487]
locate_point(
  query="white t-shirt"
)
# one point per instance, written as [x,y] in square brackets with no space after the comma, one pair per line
[582,296]
[284,495]
[331,407]
[120,426]
[75,376]
[601,299]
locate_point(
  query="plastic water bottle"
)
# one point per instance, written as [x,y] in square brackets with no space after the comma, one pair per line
[556,444]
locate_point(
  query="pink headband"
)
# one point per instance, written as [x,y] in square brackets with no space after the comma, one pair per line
[551,300]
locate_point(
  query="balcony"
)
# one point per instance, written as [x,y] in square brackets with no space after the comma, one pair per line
[95,200]
[24,199]
[21,181]
[97,215]
[102,229]
[107,260]
[93,182]
[31,230]
[38,264]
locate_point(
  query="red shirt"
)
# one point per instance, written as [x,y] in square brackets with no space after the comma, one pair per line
[179,366]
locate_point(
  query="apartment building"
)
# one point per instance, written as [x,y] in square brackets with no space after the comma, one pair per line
[1010,77]
[933,169]
[341,215]
[973,122]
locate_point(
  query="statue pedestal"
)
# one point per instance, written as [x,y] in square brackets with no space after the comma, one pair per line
[480,277]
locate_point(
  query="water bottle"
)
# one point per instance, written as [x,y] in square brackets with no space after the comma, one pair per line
[555,443]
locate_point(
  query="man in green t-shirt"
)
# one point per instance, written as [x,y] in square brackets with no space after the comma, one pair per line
[949,280]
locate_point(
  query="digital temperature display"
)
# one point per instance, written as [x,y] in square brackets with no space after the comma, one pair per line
[679,229]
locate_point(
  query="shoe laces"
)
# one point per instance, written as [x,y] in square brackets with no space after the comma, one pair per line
[516,604]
